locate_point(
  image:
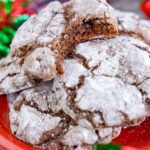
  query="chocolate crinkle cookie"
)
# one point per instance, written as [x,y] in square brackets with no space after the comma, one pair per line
[103,89]
[41,43]
[77,74]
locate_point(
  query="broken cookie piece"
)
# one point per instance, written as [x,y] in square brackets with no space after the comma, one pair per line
[58,28]
[40,64]
[131,24]
[88,19]
[100,91]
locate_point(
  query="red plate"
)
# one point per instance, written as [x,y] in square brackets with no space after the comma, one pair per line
[133,138]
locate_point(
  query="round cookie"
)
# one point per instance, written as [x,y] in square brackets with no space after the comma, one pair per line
[100,92]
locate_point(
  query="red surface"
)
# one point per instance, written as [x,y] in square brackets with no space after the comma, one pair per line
[7,140]
[133,138]
[145,6]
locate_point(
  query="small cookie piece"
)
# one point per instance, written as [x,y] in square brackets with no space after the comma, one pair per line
[99,90]
[52,29]
[40,64]
[132,24]
[88,19]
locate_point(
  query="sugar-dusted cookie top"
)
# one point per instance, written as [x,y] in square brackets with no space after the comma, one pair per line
[101,88]
[131,23]
[96,14]
[104,76]
[58,28]
[30,119]
[33,121]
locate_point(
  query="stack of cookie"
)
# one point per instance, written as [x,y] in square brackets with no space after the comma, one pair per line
[77,74]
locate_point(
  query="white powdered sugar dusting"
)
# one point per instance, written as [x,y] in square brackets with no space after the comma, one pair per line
[101,98]
[131,23]
[39,28]
[145,87]
[73,71]
[122,56]
[81,11]
[78,135]
[43,41]
[32,124]
[112,97]
[106,82]
[40,63]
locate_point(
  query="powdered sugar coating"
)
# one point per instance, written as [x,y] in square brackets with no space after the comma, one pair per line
[145,88]
[79,135]
[31,124]
[105,134]
[21,74]
[94,98]
[127,21]
[48,31]
[116,66]
[104,11]
[31,60]
[123,57]
[73,70]
[144,29]
[131,23]
[121,99]
[30,119]
[40,29]
[40,64]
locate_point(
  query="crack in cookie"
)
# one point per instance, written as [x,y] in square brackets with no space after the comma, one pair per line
[99,99]
[58,28]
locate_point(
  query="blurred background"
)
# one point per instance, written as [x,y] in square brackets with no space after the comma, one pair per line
[128,5]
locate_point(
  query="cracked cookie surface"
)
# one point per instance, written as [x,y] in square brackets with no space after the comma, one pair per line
[32,118]
[101,90]
[130,23]
[58,28]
